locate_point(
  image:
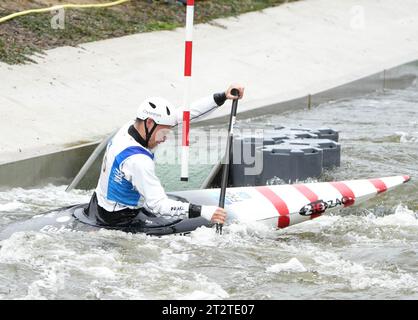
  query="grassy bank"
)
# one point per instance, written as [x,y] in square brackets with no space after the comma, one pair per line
[23,36]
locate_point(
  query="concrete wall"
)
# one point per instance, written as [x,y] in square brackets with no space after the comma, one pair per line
[60,167]
[57,168]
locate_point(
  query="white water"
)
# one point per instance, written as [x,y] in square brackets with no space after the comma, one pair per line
[369,252]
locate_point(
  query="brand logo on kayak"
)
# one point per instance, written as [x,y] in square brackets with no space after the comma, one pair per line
[55,229]
[320,206]
[232,197]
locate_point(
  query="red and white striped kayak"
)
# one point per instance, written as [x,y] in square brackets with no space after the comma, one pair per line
[285,205]
[277,206]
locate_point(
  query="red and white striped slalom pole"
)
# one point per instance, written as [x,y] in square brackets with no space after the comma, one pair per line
[187,78]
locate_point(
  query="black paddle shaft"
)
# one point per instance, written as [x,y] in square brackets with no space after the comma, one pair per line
[228,154]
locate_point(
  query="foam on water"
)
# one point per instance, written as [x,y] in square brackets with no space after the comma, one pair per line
[293,265]
[13,207]
[358,276]
[406,137]
[402,217]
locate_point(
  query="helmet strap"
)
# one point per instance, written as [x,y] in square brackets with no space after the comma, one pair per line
[148,133]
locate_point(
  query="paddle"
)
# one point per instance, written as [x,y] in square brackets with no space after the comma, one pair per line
[228,154]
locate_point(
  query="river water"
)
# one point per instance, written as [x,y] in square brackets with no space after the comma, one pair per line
[367,252]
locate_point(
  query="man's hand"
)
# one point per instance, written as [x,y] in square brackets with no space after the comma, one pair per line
[240,89]
[219,216]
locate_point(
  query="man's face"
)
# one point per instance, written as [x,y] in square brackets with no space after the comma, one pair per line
[159,136]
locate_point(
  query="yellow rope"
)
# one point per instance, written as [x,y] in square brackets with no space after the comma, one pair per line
[62,6]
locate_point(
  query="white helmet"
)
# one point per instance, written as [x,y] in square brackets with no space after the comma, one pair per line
[159,109]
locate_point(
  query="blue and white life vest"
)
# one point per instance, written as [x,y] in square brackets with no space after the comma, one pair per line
[114,190]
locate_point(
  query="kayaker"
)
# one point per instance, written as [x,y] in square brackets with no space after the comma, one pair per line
[128,181]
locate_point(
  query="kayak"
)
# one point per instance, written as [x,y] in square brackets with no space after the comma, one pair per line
[278,206]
